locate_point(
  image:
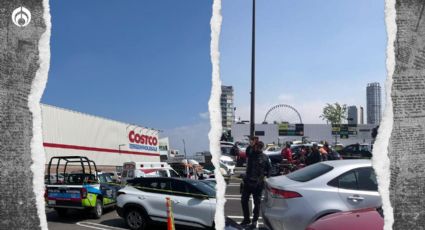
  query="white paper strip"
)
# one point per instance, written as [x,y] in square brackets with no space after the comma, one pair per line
[215,112]
[381,162]
[37,89]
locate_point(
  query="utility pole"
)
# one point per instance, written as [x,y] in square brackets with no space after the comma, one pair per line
[252,124]
[184,149]
[185,158]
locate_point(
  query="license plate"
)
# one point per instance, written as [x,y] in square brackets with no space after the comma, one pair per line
[53,202]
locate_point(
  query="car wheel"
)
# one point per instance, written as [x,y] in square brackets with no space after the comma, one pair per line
[135,219]
[61,211]
[98,209]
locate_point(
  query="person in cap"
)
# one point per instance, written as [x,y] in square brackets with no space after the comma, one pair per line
[258,167]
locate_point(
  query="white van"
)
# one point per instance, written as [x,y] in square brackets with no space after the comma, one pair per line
[147,169]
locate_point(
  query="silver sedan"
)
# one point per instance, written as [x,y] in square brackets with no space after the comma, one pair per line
[294,201]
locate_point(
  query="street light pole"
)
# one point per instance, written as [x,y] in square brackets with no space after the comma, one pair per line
[185,157]
[184,149]
[252,124]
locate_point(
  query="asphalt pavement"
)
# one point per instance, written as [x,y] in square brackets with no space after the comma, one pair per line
[78,220]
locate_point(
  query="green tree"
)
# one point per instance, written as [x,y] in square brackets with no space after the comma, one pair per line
[334,113]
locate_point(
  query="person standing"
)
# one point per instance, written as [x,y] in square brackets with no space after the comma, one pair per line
[257,168]
[314,156]
[287,153]
[324,151]
[302,155]
[252,142]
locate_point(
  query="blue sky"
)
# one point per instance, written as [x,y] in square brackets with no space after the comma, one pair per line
[308,53]
[145,62]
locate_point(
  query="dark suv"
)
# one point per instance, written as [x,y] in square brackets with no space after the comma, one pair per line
[356,151]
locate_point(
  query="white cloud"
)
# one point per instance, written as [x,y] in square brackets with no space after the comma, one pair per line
[286,98]
[205,115]
[194,135]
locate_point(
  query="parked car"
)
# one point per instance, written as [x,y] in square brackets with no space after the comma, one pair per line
[356,151]
[208,174]
[274,154]
[227,166]
[366,219]
[338,146]
[86,189]
[318,190]
[241,158]
[143,200]
[116,176]
[232,150]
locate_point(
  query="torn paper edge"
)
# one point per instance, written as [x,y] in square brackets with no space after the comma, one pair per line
[381,162]
[38,85]
[215,113]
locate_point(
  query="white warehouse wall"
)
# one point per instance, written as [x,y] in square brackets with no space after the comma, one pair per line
[105,141]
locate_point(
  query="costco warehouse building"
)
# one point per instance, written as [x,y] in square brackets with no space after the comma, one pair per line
[107,142]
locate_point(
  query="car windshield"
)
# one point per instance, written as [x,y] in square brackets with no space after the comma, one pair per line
[310,172]
[105,178]
[203,187]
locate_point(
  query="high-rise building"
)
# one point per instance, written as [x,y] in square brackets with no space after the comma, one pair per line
[355,115]
[227,108]
[373,101]
[352,114]
[361,116]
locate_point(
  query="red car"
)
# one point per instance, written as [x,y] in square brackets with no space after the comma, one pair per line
[364,219]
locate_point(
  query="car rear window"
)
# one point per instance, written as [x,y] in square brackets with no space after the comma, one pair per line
[310,172]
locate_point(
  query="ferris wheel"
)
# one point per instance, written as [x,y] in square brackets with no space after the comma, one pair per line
[283,114]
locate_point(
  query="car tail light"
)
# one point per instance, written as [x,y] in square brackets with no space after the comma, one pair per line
[278,193]
[83,193]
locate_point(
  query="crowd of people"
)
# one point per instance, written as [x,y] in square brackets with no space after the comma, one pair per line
[308,155]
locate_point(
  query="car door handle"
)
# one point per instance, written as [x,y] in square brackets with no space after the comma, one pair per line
[141,197]
[176,201]
[356,198]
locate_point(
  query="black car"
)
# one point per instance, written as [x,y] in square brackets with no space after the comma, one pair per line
[356,151]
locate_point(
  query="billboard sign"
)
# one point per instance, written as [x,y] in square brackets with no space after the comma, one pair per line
[286,129]
[344,130]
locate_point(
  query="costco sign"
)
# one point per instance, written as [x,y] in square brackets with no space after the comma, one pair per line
[142,141]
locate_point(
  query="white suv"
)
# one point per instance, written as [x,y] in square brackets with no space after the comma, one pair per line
[143,200]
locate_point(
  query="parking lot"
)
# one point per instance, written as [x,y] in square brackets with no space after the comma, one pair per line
[111,221]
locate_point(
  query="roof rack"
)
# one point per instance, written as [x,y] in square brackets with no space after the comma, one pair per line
[84,161]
